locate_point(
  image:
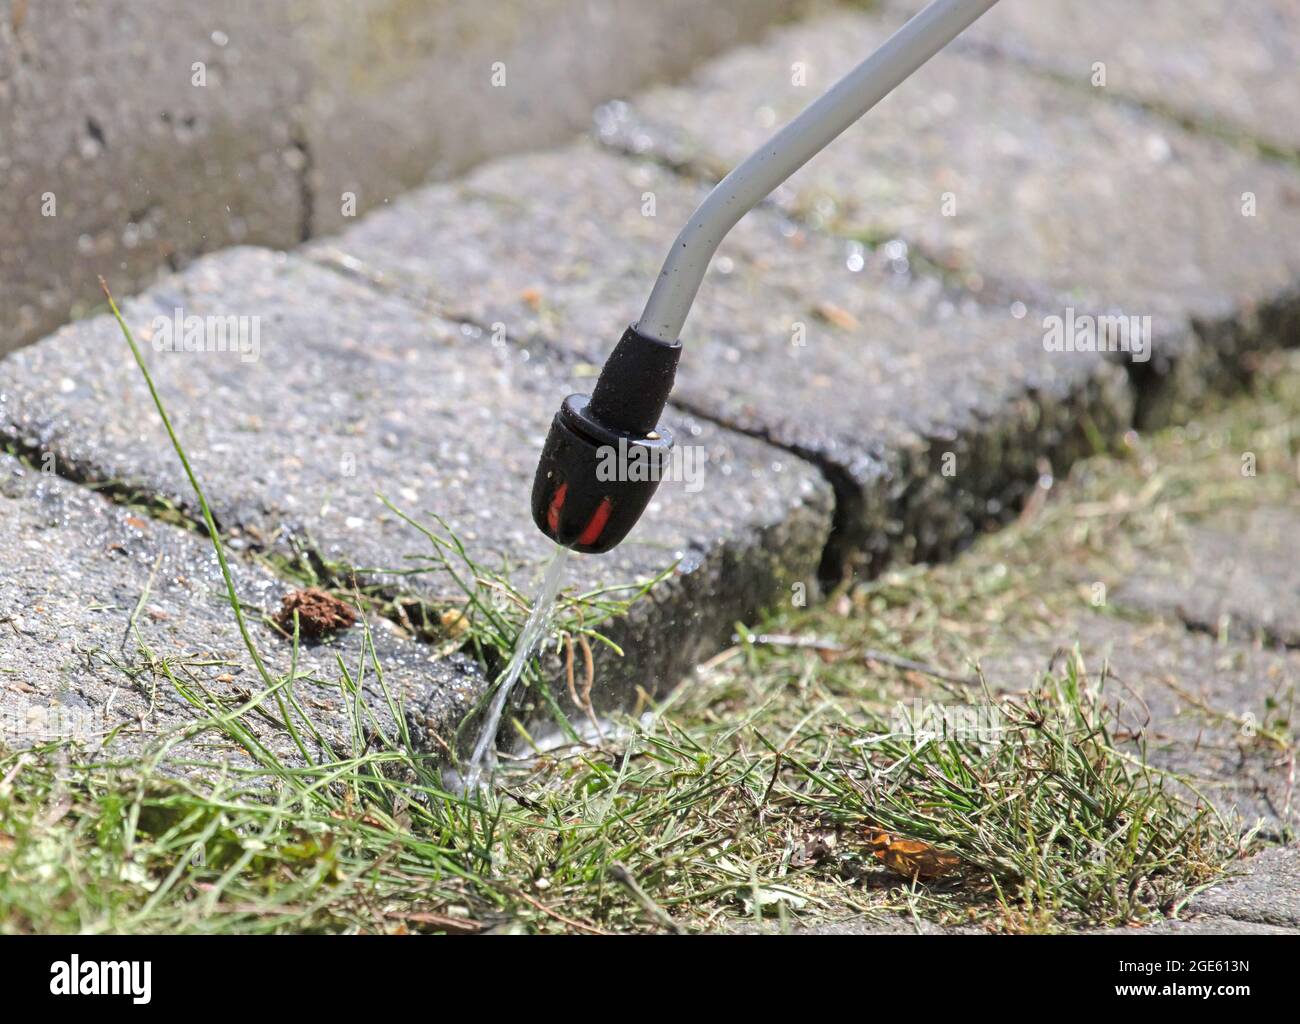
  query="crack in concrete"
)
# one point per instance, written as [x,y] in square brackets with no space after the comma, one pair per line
[306,187]
[30,454]
[1206,127]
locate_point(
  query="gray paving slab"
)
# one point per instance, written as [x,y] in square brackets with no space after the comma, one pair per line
[114,161]
[1206,924]
[1201,708]
[1200,925]
[1233,66]
[138,135]
[892,924]
[931,411]
[106,614]
[1266,891]
[1007,176]
[1237,572]
[404,92]
[352,393]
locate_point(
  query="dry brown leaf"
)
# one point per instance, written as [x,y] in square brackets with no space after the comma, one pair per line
[836,315]
[912,858]
[454,622]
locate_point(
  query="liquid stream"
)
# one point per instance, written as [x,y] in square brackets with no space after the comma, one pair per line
[483,757]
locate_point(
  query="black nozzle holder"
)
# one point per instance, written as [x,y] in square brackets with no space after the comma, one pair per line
[605,455]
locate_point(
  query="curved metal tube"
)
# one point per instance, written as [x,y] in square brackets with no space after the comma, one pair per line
[788,150]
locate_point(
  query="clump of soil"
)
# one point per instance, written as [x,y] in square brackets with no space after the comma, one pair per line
[319,613]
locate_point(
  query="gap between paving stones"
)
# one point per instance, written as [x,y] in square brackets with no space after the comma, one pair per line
[434,705]
[905,511]
[891,491]
[846,507]
[75,666]
[1223,358]
[1222,131]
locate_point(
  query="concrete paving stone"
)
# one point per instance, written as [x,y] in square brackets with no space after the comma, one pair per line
[1237,571]
[1202,925]
[98,599]
[1265,892]
[402,92]
[893,924]
[1007,176]
[1201,708]
[304,116]
[353,393]
[1229,65]
[113,162]
[848,357]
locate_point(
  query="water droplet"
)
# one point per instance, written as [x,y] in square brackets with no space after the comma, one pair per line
[1158,149]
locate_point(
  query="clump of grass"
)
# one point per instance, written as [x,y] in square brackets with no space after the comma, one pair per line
[694,822]
[334,845]
[1040,803]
